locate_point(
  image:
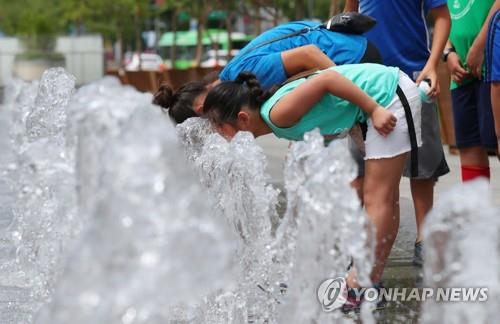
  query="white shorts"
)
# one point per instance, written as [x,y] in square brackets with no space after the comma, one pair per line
[398,141]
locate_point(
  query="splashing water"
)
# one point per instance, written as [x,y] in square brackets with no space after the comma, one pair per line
[44,194]
[7,218]
[307,249]
[462,235]
[98,112]
[146,221]
[323,227]
[154,242]
[234,173]
[193,134]
[49,114]
[104,193]
[7,165]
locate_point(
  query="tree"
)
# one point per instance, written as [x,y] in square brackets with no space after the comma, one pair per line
[174,7]
[120,21]
[36,21]
[336,6]
[200,10]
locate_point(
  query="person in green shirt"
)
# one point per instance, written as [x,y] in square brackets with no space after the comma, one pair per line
[471,100]
[334,100]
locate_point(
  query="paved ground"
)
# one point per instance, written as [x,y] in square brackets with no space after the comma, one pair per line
[276,149]
[399,271]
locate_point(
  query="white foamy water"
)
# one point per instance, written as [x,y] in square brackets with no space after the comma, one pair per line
[109,214]
[43,190]
[152,241]
[323,229]
[462,234]
[133,242]
[234,173]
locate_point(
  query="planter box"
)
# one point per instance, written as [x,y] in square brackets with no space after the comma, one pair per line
[149,81]
[32,69]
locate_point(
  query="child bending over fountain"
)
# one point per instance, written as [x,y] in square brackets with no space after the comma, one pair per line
[187,101]
[284,51]
[334,100]
[275,55]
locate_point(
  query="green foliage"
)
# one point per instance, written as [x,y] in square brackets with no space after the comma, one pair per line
[108,17]
[35,21]
[125,19]
[31,17]
[37,55]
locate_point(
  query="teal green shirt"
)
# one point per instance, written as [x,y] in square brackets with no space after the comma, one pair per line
[333,115]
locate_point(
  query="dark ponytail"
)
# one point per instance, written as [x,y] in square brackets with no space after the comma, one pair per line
[224,102]
[179,104]
[163,96]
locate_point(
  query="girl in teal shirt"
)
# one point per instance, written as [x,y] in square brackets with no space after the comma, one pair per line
[333,100]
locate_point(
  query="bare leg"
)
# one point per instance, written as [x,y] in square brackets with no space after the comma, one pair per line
[397,210]
[357,184]
[474,156]
[422,191]
[474,162]
[381,186]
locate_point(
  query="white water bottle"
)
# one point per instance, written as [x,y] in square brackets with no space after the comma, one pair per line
[424,87]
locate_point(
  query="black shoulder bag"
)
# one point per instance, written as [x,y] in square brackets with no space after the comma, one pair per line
[348,23]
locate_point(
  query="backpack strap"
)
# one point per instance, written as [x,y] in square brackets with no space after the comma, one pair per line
[300,75]
[411,131]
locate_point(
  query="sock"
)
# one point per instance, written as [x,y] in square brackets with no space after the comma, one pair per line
[473,172]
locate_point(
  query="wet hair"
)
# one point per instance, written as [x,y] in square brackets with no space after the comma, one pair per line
[224,101]
[179,104]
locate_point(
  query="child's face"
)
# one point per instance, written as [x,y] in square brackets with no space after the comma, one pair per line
[243,122]
[227,130]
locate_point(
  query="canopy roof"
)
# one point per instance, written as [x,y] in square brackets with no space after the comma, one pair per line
[188,38]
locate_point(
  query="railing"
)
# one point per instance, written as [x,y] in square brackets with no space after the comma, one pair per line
[149,81]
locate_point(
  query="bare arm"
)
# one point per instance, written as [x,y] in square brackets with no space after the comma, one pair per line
[304,58]
[351,5]
[475,55]
[442,24]
[293,106]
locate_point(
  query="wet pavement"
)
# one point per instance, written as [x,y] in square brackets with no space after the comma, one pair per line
[399,271]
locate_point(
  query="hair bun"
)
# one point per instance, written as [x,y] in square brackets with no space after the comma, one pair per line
[245,77]
[164,97]
[251,82]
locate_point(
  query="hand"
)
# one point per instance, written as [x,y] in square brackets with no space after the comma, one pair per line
[475,59]
[429,72]
[383,121]
[458,73]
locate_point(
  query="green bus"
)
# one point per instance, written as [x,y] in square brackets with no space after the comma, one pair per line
[186,45]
